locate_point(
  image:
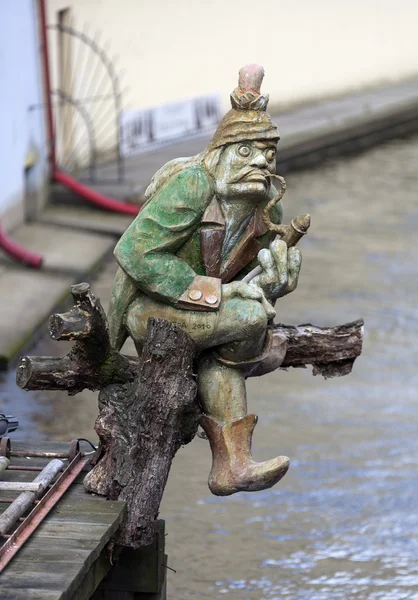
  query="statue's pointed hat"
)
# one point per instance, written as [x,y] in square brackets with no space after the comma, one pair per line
[247,119]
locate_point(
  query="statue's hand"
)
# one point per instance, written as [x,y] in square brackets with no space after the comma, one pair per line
[248,291]
[281,266]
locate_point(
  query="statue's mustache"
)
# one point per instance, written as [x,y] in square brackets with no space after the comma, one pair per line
[248,173]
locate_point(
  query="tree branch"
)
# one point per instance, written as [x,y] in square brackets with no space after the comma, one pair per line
[92,363]
[330,350]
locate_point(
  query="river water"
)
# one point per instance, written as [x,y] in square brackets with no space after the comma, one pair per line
[343,523]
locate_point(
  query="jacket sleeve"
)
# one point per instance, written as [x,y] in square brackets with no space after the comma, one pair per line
[147,249]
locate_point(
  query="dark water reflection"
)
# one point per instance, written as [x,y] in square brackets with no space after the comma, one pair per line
[343,524]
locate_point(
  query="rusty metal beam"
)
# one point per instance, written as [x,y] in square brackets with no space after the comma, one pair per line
[16,468]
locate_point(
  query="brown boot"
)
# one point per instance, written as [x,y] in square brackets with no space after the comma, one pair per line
[233,469]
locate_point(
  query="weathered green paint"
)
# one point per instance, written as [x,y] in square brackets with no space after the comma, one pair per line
[160,230]
[165,239]
[202,229]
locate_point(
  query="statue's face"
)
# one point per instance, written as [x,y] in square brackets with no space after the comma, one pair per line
[244,169]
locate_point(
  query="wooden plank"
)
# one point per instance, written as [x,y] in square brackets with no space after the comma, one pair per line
[113,595]
[41,572]
[139,571]
[79,499]
[63,577]
[39,594]
[53,551]
[23,476]
[59,546]
[83,520]
[61,552]
[95,574]
[72,530]
[36,445]
[89,504]
[33,579]
[76,527]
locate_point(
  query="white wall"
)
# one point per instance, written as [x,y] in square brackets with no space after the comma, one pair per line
[173,49]
[21,129]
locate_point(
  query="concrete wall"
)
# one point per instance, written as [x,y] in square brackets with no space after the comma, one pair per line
[309,48]
[22,130]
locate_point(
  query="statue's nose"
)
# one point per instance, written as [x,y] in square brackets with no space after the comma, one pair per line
[259,160]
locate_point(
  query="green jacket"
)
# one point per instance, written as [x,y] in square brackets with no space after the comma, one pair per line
[175,237]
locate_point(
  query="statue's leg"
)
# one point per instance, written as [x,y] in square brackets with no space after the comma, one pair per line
[221,372]
[229,429]
[232,341]
[237,320]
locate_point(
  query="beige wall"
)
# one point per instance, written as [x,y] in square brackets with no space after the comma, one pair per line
[173,49]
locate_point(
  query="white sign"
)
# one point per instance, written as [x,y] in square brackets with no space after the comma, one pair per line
[142,130]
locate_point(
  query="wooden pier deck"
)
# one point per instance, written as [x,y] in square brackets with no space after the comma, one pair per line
[66,558]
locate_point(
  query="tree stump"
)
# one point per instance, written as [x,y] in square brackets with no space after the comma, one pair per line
[141,426]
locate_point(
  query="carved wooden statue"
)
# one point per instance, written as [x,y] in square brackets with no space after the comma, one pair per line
[200,270]
[185,259]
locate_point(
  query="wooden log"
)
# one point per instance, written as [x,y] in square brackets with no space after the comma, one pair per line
[92,363]
[26,499]
[142,425]
[4,463]
[20,486]
[330,350]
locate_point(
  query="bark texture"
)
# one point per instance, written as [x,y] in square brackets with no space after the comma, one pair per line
[142,425]
[330,350]
[92,363]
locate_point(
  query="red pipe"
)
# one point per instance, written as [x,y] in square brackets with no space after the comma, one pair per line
[47,85]
[95,197]
[18,252]
[83,190]
[9,246]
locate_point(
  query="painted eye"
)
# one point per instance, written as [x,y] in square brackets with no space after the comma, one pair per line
[270,154]
[244,151]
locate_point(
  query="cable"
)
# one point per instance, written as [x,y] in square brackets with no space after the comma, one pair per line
[88,441]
